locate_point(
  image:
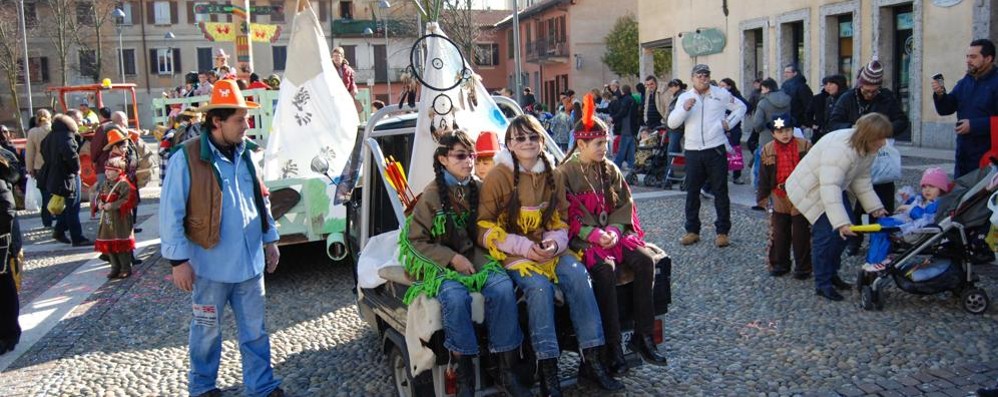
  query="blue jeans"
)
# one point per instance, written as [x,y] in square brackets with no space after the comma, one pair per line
[69,219]
[501,316]
[625,153]
[826,252]
[756,158]
[247,302]
[573,280]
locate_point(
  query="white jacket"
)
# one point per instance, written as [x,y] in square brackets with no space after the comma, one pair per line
[703,121]
[829,168]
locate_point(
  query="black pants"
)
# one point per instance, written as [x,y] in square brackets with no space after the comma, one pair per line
[707,166]
[786,232]
[604,278]
[10,329]
[885,191]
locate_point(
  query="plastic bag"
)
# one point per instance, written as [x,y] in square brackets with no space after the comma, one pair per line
[57,204]
[32,196]
[887,166]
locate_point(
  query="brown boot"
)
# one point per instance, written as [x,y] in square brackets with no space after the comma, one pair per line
[689,239]
[722,241]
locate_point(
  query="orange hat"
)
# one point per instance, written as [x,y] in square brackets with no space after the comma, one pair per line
[487,144]
[225,94]
[113,137]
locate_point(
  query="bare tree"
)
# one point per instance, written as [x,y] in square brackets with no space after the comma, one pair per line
[90,36]
[10,55]
[60,27]
[459,21]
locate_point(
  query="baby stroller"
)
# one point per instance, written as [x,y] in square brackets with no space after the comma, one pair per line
[650,159]
[675,170]
[940,257]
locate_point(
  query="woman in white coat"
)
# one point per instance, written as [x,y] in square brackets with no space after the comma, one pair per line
[840,162]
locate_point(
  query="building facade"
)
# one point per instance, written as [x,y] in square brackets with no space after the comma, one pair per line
[744,40]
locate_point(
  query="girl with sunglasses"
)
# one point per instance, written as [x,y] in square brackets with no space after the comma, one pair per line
[437,249]
[520,222]
[605,231]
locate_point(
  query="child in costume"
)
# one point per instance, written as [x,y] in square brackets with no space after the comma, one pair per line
[916,212]
[604,229]
[114,231]
[486,148]
[520,222]
[437,249]
[787,226]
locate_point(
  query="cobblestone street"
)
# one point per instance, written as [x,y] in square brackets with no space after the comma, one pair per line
[731,330]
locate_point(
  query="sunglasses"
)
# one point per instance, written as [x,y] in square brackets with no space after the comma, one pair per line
[703,74]
[462,156]
[524,138]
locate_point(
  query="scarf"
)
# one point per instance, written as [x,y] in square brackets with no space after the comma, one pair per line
[787,158]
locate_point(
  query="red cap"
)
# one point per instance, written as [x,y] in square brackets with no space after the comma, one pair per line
[487,144]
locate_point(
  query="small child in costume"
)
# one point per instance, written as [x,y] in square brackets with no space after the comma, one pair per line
[114,231]
[916,212]
[486,148]
[788,227]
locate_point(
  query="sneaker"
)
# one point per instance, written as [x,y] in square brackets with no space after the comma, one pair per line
[874,267]
[722,241]
[689,239]
[706,194]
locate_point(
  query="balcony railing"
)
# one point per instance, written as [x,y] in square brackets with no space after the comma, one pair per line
[356,27]
[547,51]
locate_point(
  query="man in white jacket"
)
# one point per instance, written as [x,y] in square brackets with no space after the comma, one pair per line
[702,111]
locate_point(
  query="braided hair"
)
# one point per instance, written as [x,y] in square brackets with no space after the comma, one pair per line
[610,195]
[524,125]
[447,142]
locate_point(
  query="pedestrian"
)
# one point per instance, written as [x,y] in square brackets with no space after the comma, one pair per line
[560,127]
[735,133]
[795,85]
[89,117]
[675,135]
[615,88]
[756,94]
[61,176]
[98,156]
[822,105]
[255,83]
[870,97]
[838,164]
[701,112]
[521,222]
[113,209]
[528,100]
[437,248]
[377,105]
[604,228]
[787,227]
[657,101]
[772,103]
[974,99]
[34,160]
[203,86]
[630,120]
[218,234]
[342,66]
[11,255]
[486,147]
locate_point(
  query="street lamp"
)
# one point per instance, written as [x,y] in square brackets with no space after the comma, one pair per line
[384,5]
[119,19]
[169,36]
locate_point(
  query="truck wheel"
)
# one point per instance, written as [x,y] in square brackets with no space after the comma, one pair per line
[405,385]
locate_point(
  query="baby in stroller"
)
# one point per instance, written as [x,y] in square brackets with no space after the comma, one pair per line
[916,212]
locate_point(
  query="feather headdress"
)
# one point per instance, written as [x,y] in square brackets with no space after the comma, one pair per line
[589,127]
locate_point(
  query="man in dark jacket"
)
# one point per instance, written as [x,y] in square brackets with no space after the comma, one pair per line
[61,175]
[822,104]
[11,256]
[974,99]
[630,119]
[868,97]
[795,85]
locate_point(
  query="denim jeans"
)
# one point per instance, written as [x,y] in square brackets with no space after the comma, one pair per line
[756,158]
[573,280]
[69,219]
[247,302]
[826,252]
[625,153]
[501,317]
[707,167]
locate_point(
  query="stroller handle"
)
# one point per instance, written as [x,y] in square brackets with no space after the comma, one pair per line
[873,228]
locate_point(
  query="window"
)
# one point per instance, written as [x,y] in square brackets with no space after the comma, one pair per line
[350,54]
[163,61]
[487,54]
[346,10]
[277,12]
[161,13]
[205,59]
[30,15]
[127,19]
[85,13]
[128,57]
[88,63]
[39,69]
[280,56]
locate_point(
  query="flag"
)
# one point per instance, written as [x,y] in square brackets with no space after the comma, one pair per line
[315,115]
[443,68]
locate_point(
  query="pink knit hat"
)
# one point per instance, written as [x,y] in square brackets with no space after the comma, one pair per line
[936,177]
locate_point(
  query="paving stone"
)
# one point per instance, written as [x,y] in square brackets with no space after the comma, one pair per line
[889,384]
[977,368]
[925,377]
[941,373]
[954,392]
[850,391]
[927,387]
[936,394]
[869,387]
[909,381]
[909,391]
[943,384]
[890,393]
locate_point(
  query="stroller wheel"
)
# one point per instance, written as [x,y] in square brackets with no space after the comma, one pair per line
[974,300]
[652,180]
[631,179]
[878,300]
[862,280]
[866,298]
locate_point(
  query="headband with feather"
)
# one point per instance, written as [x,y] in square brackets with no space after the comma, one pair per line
[588,128]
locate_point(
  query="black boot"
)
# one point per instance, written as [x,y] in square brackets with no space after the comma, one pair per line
[550,384]
[465,376]
[840,284]
[508,382]
[645,346]
[591,368]
[614,359]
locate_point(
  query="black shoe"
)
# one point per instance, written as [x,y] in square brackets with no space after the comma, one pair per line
[840,284]
[645,346]
[465,376]
[7,346]
[212,393]
[830,294]
[614,359]
[852,250]
[508,382]
[591,368]
[104,258]
[60,238]
[136,260]
[802,276]
[83,243]
[278,392]
[982,392]
[550,383]
[137,230]
[778,273]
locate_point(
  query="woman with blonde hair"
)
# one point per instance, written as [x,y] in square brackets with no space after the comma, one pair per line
[839,163]
[33,160]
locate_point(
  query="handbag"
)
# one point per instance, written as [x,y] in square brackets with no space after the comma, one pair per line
[736,161]
[887,166]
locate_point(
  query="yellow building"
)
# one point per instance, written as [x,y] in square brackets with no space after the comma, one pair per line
[746,39]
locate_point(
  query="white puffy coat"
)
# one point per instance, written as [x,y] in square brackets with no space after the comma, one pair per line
[831,167]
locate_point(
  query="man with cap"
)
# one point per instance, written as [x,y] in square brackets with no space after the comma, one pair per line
[974,99]
[89,117]
[702,113]
[218,234]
